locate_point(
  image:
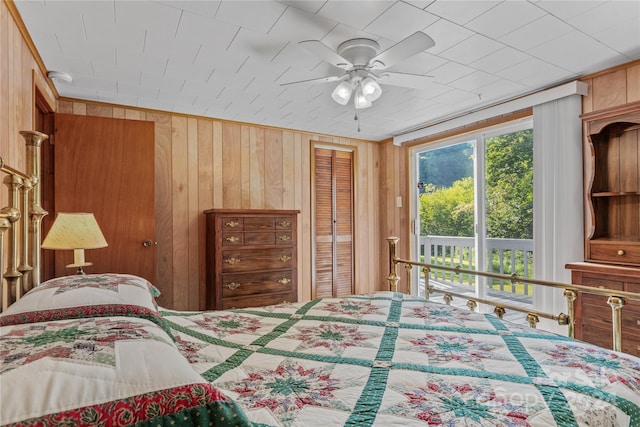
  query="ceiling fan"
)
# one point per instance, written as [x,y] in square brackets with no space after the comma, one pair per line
[365,67]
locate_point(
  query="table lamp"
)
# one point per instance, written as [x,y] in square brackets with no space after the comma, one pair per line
[77,231]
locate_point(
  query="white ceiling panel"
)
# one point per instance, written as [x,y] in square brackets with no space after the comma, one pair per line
[400,21]
[623,37]
[449,72]
[504,18]
[297,25]
[472,49]
[575,51]
[535,73]
[228,59]
[207,8]
[461,11]
[356,14]
[500,59]
[446,34]
[258,16]
[204,30]
[606,16]
[567,9]
[536,33]
[147,15]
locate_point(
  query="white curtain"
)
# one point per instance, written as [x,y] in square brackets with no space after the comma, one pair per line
[557,200]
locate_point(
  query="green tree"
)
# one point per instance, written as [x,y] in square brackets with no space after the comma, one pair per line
[444,166]
[509,185]
[448,211]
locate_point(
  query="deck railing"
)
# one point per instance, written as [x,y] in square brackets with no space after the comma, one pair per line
[504,256]
[616,299]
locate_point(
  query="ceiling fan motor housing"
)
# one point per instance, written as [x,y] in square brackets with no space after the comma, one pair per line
[358,51]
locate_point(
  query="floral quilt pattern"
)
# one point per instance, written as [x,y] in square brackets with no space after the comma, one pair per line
[90,339]
[389,359]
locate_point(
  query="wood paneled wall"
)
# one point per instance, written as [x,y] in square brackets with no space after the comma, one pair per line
[19,77]
[612,87]
[206,163]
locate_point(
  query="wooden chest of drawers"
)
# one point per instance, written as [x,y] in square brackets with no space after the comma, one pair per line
[593,312]
[251,258]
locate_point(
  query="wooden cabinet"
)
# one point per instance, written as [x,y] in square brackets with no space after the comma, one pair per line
[611,151]
[251,258]
[612,185]
[594,323]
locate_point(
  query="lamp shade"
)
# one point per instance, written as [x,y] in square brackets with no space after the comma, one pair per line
[359,100]
[371,89]
[74,231]
[342,93]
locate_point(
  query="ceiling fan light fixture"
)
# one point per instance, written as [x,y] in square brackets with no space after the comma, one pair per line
[342,93]
[371,89]
[360,100]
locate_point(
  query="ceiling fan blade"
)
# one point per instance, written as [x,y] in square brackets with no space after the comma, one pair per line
[415,43]
[404,79]
[326,53]
[318,80]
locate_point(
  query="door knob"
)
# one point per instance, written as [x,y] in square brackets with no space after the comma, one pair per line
[148,243]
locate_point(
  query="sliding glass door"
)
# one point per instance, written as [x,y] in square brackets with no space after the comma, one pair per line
[474,208]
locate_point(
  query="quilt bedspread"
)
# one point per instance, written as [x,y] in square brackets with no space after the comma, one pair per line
[103,371]
[393,360]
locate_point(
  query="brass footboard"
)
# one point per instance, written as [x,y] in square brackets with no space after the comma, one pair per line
[20,223]
[616,299]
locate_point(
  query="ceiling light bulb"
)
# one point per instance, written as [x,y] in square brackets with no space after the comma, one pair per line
[371,89]
[361,101]
[342,93]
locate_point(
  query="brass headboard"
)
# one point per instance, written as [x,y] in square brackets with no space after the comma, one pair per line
[21,223]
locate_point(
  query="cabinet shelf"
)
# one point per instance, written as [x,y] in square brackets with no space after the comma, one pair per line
[611,151]
[615,193]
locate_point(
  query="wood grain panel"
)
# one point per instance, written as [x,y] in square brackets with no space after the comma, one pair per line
[305,243]
[217,165]
[180,203]
[79,108]
[99,110]
[633,83]
[273,169]
[194,213]
[288,171]
[256,158]
[205,198]
[232,166]
[245,161]
[609,90]
[164,209]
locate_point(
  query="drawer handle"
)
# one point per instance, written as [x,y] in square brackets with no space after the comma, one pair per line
[232,286]
[232,261]
[232,224]
[233,239]
[621,252]
[284,224]
[284,258]
[284,237]
[284,281]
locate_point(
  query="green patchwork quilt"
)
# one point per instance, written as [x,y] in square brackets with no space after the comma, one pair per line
[394,360]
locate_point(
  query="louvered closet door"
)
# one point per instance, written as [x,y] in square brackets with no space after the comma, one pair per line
[333,223]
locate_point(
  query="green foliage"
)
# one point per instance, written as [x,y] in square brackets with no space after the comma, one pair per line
[448,211]
[442,167]
[509,185]
[447,199]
